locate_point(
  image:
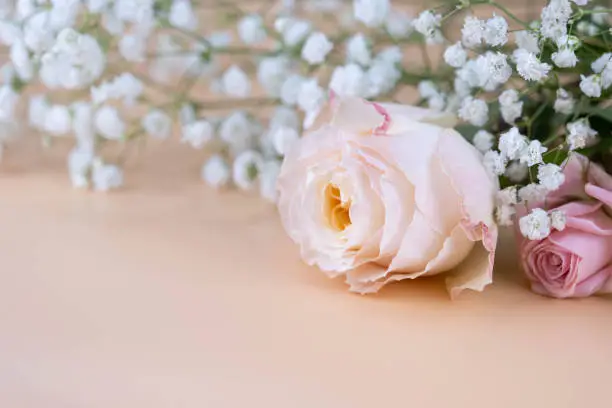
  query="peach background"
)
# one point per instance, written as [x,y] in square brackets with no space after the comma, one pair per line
[167,294]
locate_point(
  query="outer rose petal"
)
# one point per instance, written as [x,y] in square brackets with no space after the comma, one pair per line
[476,189]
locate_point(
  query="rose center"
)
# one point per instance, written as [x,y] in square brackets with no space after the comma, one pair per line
[336,210]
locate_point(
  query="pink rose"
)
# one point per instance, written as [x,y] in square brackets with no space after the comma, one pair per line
[381,193]
[577,261]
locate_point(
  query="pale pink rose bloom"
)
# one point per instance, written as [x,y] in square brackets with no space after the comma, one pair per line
[577,261]
[381,193]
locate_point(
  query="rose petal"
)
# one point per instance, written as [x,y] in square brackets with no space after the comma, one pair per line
[404,116]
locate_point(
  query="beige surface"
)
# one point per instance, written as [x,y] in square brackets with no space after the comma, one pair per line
[169,295]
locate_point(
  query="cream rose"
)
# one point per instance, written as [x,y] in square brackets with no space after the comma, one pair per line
[381,193]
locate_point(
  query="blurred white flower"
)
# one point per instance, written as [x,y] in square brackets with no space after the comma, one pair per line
[494,163]
[310,100]
[529,66]
[316,48]
[291,88]
[292,30]
[455,55]
[532,154]
[8,100]
[37,110]
[550,176]
[268,175]
[399,24]
[474,111]
[472,32]
[57,120]
[271,74]
[483,140]
[182,15]
[428,24]
[197,133]
[24,68]
[133,47]
[516,171]
[510,105]
[106,176]
[74,61]
[251,29]
[381,78]
[372,13]
[535,225]
[564,103]
[348,80]
[284,117]
[236,83]
[392,55]
[532,193]
[216,172]
[108,123]
[512,143]
[237,132]
[579,134]
[565,58]
[246,168]
[82,124]
[558,219]
[555,17]
[496,31]
[528,41]
[283,138]
[79,163]
[591,85]
[358,50]
[603,66]
[157,124]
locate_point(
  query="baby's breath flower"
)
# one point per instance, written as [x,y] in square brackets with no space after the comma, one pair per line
[358,50]
[532,193]
[483,140]
[236,83]
[579,134]
[535,225]
[472,31]
[591,85]
[516,172]
[246,168]
[532,154]
[550,176]
[557,220]
[474,111]
[251,29]
[529,66]
[372,13]
[496,31]
[316,48]
[428,24]
[494,162]
[512,143]
[564,103]
[455,55]
[216,172]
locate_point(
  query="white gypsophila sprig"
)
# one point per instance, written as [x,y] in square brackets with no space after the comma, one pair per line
[316,48]
[216,172]
[564,102]
[455,55]
[529,66]
[550,176]
[474,111]
[512,143]
[496,31]
[251,29]
[535,225]
[483,140]
[428,24]
[472,32]
[358,50]
[510,105]
[236,83]
[603,67]
[532,154]
[372,13]
[591,85]
[494,162]
[579,134]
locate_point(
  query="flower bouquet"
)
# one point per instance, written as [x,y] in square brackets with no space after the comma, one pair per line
[305,101]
